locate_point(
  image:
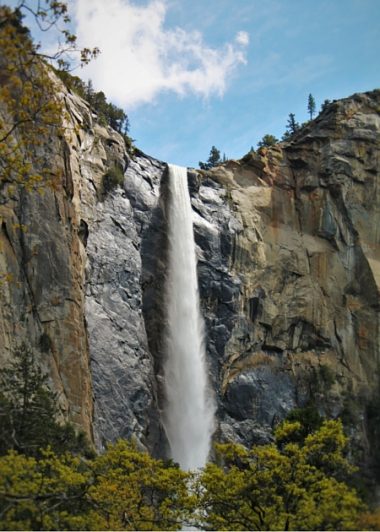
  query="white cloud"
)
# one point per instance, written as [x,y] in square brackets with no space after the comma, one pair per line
[141,58]
[242,38]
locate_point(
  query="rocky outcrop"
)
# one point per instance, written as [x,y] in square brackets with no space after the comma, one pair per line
[288,260]
[290,274]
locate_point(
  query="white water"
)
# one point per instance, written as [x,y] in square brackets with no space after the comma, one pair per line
[189,409]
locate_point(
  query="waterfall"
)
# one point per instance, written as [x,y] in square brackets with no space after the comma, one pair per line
[189,407]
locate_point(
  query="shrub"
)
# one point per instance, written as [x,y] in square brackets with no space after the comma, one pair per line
[113,178]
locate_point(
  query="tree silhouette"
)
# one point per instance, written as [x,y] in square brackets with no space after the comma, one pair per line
[213,160]
[29,411]
[311,106]
[291,127]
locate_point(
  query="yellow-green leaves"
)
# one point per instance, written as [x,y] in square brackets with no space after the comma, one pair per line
[29,108]
[122,489]
[288,486]
[264,488]
[44,494]
[133,491]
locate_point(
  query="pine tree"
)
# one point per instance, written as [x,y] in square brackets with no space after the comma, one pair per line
[292,125]
[311,106]
[29,411]
[267,141]
[213,160]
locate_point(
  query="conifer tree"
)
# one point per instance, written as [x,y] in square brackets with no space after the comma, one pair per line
[311,106]
[267,141]
[29,410]
[292,125]
[213,160]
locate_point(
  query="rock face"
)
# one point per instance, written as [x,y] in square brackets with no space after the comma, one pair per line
[122,369]
[288,260]
[290,272]
[42,265]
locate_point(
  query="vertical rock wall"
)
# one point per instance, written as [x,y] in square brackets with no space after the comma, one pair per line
[288,248]
[289,272]
[42,298]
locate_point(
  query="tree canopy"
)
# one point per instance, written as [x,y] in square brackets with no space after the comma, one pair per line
[267,141]
[29,109]
[122,489]
[108,113]
[292,486]
[51,482]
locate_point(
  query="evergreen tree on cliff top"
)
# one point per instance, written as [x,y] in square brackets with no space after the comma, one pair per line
[213,160]
[267,141]
[292,126]
[311,106]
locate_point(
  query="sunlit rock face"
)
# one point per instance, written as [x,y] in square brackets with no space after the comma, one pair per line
[287,242]
[289,272]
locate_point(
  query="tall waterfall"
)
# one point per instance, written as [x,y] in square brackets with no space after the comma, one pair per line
[189,408]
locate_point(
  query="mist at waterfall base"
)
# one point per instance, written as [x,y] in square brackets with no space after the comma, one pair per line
[189,407]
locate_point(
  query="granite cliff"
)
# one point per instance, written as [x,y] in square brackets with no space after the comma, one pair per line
[288,260]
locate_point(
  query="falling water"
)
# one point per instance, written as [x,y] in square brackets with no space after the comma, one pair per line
[189,409]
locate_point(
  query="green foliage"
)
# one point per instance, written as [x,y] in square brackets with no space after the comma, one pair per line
[327,376]
[267,141]
[373,423]
[309,421]
[29,412]
[113,178]
[213,160]
[311,106]
[292,127]
[48,493]
[134,491]
[108,113]
[73,83]
[293,484]
[296,486]
[47,15]
[123,489]
[351,411]
[29,110]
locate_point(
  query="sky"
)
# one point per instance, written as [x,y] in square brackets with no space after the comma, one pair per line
[192,74]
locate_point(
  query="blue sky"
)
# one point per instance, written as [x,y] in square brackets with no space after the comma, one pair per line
[192,74]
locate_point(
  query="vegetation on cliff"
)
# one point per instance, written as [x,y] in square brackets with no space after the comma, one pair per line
[108,113]
[50,479]
[29,108]
[29,412]
[213,160]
